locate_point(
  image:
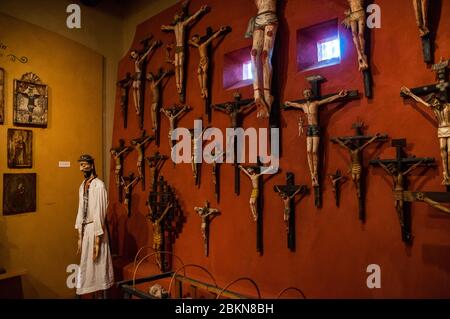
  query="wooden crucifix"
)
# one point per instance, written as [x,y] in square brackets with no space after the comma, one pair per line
[155,86]
[167,218]
[138,85]
[119,153]
[196,154]
[399,168]
[140,144]
[173,113]
[124,86]
[355,146]
[439,103]
[355,20]
[180,23]
[256,200]
[287,193]
[216,172]
[128,183]
[421,12]
[203,44]
[207,214]
[155,163]
[236,110]
[337,179]
[310,105]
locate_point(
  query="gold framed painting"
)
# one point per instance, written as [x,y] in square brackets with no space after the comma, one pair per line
[20,144]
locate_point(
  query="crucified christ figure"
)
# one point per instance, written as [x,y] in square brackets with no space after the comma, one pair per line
[263,29]
[180,22]
[287,200]
[172,114]
[441,111]
[310,108]
[127,187]
[421,12]
[158,231]
[206,213]
[356,21]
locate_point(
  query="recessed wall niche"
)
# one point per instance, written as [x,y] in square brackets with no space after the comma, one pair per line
[237,71]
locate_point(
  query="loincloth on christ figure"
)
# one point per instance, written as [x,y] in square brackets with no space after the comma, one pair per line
[259,22]
[443,132]
[313,131]
[353,17]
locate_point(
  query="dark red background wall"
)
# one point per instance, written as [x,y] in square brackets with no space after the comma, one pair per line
[333,247]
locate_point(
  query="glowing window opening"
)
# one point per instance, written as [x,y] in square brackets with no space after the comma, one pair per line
[328,49]
[247,71]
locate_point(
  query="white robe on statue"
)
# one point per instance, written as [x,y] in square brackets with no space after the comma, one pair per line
[98,275]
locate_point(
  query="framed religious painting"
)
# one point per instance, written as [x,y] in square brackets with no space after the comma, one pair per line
[2,95]
[30,101]
[19,193]
[20,144]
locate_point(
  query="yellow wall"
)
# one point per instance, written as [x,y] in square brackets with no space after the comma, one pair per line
[45,242]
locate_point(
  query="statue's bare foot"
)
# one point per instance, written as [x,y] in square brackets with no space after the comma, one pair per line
[446,181]
[263,108]
[362,61]
[424,31]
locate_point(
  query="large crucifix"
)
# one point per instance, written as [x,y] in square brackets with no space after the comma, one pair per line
[155,163]
[355,146]
[236,110]
[140,144]
[138,85]
[399,168]
[355,20]
[438,101]
[124,86]
[310,106]
[207,214]
[254,173]
[119,153]
[287,193]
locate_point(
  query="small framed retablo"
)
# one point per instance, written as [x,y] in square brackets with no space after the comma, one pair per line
[30,101]
[20,143]
[19,193]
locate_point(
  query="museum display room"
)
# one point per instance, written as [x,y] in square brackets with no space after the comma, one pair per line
[273,149]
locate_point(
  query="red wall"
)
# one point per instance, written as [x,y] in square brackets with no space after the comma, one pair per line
[333,247]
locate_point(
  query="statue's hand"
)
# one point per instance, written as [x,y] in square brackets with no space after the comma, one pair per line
[343,93]
[405,90]
[79,247]
[204,8]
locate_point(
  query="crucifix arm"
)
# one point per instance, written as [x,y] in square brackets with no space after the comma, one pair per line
[167,28]
[408,92]
[161,78]
[370,141]
[333,98]
[185,108]
[384,167]
[215,35]
[165,212]
[266,169]
[164,111]
[295,193]
[245,171]
[134,181]
[248,108]
[193,17]
[413,167]
[150,49]
[191,43]
[340,142]
[220,107]
[294,105]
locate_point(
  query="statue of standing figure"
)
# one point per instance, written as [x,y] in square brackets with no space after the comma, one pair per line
[356,21]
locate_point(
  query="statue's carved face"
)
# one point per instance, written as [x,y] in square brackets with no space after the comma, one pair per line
[134,54]
[307,93]
[195,39]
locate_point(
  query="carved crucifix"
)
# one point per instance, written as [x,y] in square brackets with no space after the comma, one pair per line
[398,169]
[196,154]
[254,174]
[172,115]
[421,13]
[236,110]
[155,163]
[311,106]
[207,214]
[355,146]
[167,218]
[124,86]
[140,144]
[216,172]
[203,46]
[155,87]
[128,183]
[119,153]
[138,85]
[287,193]
[337,179]
[179,25]
[356,21]
[439,103]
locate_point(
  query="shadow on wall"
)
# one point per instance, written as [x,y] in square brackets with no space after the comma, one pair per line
[437,255]
[34,289]
[4,251]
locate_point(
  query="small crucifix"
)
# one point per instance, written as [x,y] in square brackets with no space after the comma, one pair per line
[254,174]
[155,163]
[310,105]
[355,146]
[119,153]
[124,86]
[356,21]
[138,85]
[128,184]
[236,110]
[398,169]
[421,13]
[140,144]
[287,193]
[172,114]
[337,179]
[216,161]
[203,44]
[207,214]
[196,154]
[155,86]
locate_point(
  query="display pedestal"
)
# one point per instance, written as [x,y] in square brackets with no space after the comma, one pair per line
[11,284]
